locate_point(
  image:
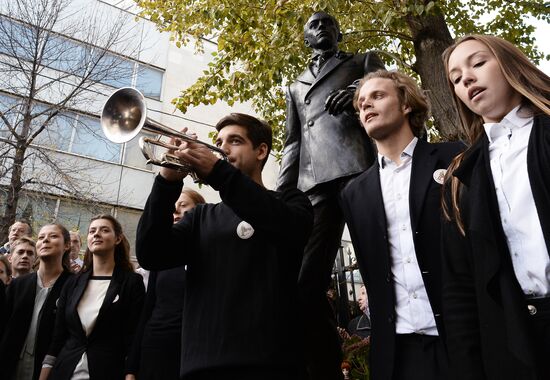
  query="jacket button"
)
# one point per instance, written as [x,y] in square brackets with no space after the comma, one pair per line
[532,309]
[388,278]
[308,101]
[310,123]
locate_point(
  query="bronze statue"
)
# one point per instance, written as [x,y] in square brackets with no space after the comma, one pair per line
[325,147]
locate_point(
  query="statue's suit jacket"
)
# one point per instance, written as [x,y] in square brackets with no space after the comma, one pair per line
[363,207]
[320,147]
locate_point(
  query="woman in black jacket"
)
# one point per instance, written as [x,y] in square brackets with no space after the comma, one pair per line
[31,306]
[496,242]
[98,310]
[157,348]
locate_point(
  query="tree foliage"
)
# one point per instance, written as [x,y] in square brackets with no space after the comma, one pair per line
[260,43]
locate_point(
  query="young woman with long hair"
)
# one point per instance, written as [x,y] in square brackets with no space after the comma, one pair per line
[497,205]
[32,306]
[98,310]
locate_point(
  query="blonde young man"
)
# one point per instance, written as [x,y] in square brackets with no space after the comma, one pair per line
[393,213]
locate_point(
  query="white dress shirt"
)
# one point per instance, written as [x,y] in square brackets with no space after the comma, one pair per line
[413,310]
[508,154]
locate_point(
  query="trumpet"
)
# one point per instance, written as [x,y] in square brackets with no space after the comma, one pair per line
[124,115]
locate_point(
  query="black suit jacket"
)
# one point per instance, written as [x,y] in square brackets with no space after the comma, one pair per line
[109,343]
[19,309]
[485,309]
[320,147]
[363,208]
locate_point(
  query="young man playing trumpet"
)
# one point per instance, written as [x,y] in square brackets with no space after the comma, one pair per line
[243,256]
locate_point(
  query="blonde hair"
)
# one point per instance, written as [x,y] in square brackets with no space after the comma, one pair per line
[409,94]
[521,74]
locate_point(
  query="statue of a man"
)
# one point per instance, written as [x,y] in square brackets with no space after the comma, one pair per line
[325,147]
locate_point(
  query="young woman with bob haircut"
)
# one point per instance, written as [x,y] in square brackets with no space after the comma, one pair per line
[496,240]
[98,310]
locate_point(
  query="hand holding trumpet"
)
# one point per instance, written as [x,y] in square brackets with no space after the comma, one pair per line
[200,158]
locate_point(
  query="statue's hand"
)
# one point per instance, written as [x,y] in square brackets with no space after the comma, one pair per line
[338,101]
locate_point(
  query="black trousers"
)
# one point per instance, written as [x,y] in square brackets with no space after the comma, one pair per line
[540,327]
[160,363]
[419,357]
[321,339]
[248,373]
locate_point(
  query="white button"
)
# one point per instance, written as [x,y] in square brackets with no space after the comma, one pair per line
[408,260]
[404,227]
[414,296]
[504,221]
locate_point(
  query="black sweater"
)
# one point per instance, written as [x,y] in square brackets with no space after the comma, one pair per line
[240,294]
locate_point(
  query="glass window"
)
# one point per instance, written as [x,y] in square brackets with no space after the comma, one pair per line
[149,81]
[37,209]
[58,132]
[17,40]
[76,216]
[129,220]
[114,71]
[66,55]
[133,155]
[90,141]
[8,106]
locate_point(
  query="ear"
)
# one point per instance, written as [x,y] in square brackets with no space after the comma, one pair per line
[261,152]
[406,109]
[118,240]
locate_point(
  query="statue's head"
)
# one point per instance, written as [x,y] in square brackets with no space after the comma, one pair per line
[322,32]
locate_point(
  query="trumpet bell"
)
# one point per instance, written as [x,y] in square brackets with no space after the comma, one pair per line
[124,115]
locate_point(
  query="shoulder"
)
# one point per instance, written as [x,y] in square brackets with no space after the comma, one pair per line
[359,182]
[448,150]
[23,281]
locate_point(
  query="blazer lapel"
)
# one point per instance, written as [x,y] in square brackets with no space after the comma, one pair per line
[80,287]
[374,202]
[327,68]
[423,167]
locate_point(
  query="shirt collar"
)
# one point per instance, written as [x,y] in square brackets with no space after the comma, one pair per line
[407,152]
[514,119]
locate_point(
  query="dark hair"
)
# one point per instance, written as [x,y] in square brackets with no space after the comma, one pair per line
[409,94]
[66,260]
[258,131]
[193,195]
[122,249]
[329,15]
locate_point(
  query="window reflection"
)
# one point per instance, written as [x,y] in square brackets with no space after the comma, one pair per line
[149,81]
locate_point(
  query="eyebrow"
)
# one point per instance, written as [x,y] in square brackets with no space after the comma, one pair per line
[469,58]
[231,136]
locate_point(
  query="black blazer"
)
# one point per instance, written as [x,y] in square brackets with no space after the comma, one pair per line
[109,343]
[18,313]
[363,208]
[486,315]
[320,147]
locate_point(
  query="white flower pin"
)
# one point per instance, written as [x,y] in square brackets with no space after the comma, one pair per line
[245,230]
[439,176]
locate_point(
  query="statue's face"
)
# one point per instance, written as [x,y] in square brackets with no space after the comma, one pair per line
[321,32]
